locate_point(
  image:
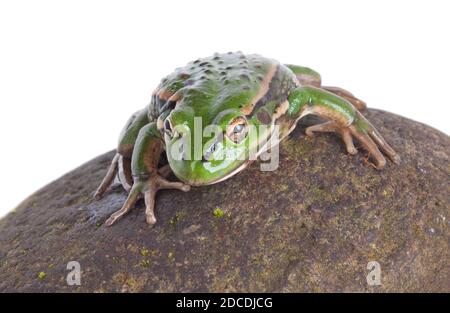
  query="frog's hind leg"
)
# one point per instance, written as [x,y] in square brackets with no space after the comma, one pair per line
[343,118]
[309,77]
[121,163]
[306,75]
[120,168]
[109,178]
[347,95]
[124,173]
[147,181]
[165,171]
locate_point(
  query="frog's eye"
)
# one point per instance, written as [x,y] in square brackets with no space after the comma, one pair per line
[237,129]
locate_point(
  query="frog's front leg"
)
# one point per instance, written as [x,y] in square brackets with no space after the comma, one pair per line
[147,181]
[309,77]
[343,119]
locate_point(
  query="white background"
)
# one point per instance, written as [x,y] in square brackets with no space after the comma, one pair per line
[71,72]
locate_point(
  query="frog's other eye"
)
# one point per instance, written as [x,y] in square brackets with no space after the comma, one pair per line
[237,129]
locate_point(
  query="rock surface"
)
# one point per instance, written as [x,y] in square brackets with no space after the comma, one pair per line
[312,225]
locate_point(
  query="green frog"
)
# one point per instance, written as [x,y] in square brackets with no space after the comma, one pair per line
[249,99]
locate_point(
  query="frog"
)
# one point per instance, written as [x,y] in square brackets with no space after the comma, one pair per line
[236,93]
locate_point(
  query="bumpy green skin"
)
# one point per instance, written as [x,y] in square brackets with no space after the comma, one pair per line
[218,89]
[216,115]
[302,97]
[130,132]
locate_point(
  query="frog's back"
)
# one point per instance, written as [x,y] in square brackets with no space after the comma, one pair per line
[214,83]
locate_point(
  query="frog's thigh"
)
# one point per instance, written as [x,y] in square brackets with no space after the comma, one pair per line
[147,151]
[309,77]
[130,132]
[343,119]
[347,95]
[121,163]
[125,147]
[305,75]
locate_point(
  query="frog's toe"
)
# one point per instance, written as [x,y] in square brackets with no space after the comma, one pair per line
[378,140]
[396,159]
[132,198]
[385,147]
[331,126]
[348,140]
[372,141]
[154,184]
[370,146]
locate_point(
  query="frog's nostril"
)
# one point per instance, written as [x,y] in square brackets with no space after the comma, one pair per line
[167,124]
[168,127]
[181,148]
[182,151]
[209,152]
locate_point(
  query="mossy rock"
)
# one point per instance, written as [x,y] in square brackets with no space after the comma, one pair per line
[312,225]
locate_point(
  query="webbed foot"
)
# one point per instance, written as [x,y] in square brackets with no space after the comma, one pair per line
[365,133]
[148,189]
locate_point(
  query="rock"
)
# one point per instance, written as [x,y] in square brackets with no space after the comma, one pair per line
[312,225]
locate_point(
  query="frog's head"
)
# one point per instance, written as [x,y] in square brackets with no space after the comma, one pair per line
[204,150]
[221,119]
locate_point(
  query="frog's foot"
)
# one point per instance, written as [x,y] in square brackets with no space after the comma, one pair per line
[121,167]
[347,95]
[148,189]
[331,126]
[365,133]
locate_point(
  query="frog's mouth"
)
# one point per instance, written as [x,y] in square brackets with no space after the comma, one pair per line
[232,173]
[202,172]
